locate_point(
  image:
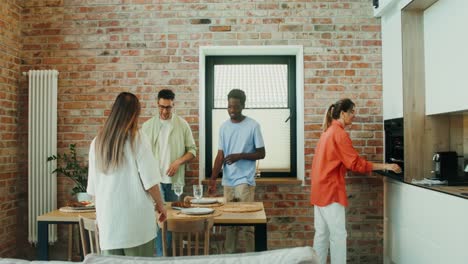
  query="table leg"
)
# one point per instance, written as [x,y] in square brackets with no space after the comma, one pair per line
[70,242]
[261,237]
[42,240]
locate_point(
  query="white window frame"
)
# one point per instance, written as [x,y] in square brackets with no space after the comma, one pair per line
[278,50]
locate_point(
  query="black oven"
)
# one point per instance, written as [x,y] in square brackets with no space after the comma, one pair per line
[394,143]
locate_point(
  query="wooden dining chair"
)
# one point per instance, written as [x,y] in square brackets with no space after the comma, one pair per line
[89,235]
[188,231]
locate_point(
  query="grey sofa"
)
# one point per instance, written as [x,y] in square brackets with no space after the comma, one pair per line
[22,261]
[296,255]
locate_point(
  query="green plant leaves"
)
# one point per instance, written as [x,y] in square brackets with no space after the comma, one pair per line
[69,166]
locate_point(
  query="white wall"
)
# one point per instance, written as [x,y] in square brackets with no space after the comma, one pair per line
[385,5]
[446,56]
[424,226]
[392,63]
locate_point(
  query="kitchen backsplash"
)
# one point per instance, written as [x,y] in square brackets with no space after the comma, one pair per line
[465,135]
[459,136]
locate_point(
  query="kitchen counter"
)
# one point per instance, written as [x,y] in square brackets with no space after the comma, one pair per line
[390,174]
[459,191]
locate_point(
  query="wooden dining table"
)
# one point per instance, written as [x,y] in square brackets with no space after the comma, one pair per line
[256,219]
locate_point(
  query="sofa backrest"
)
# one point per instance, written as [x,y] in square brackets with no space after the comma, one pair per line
[296,255]
[22,261]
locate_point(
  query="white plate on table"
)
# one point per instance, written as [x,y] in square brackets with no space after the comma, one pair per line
[197,211]
[204,201]
[83,207]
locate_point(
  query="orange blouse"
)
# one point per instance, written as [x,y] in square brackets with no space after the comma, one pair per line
[334,155]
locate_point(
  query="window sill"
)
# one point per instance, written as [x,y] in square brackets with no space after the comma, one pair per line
[268,181]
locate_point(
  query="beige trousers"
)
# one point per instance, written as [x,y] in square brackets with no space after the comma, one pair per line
[240,193]
[144,250]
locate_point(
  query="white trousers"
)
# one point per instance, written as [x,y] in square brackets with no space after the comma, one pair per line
[330,232]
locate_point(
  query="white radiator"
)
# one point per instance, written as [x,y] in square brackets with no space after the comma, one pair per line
[42,142]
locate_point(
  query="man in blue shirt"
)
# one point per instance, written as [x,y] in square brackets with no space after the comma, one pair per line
[240,145]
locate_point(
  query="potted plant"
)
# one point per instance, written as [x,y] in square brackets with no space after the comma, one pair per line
[70,167]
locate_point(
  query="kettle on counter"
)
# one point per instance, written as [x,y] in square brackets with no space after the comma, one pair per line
[436,165]
[445,164]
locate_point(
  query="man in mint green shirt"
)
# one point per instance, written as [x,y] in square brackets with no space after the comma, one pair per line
[172,145]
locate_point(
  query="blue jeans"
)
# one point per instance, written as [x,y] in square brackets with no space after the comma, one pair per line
[168,195]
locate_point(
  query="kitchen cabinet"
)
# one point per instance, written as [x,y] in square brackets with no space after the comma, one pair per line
[445,56]
[423,226]
[443,62]
[392,63]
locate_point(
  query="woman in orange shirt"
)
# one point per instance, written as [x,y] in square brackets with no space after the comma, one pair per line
[334,155]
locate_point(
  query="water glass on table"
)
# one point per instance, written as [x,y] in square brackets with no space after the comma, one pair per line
[198,191]
[178,190]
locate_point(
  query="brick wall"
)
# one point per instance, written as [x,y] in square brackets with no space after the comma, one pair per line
[102,48]
[10,45]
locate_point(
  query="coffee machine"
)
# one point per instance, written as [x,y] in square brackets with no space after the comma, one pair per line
[445,165]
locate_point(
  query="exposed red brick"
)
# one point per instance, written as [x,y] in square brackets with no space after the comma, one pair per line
[220,28]
[100,54]
[12,195]
[373,28]
[273,20]
[372,43]
[289,28]
[200,21]
[267,6]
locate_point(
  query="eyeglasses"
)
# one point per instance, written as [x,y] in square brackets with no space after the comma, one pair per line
[165,107]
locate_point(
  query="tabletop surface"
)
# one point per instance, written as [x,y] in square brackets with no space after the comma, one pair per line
[58,216]
[258,217]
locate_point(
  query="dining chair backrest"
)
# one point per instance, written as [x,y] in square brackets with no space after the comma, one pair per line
[89,235]
[189,231]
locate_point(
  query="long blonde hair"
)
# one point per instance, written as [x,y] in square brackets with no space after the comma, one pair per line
[122,124]
[334,111]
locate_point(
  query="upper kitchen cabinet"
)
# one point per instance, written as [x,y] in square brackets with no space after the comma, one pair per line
[392,62]
[446,56]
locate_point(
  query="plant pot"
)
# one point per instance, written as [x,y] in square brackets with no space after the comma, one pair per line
[82,196]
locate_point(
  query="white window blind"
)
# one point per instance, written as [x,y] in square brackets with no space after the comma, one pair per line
[266,89]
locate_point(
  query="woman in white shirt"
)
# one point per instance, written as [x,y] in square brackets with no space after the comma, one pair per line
[124,183]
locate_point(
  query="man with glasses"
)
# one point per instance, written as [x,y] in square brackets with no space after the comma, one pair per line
[172,145]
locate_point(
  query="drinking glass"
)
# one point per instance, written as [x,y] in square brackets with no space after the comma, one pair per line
[178,190]
[198,191]
[258,172]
